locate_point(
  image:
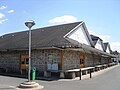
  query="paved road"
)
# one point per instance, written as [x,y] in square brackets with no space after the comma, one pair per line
[110,80]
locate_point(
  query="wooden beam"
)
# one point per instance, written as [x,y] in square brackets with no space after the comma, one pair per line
[62,59]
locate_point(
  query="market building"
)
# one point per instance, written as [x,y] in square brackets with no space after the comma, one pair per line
[55,48]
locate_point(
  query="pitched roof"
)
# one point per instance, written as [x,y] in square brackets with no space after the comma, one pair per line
[41,37]
[105,45]
[94,39]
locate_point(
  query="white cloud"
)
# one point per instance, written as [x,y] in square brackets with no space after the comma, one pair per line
[105,38]
[116,46]
[3,20]
[3,7]
[10,11]
[2,15]
[91,32]
[63,19]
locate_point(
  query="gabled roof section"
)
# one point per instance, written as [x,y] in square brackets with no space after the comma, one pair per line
[42,37]
[79,35]
[98,42]
[107,47]
[94,39]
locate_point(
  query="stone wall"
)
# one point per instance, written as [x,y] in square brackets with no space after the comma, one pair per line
[97,60]
[71,59]
[10,60]
[105,60]
[40,58]
[91,60]
[88,60]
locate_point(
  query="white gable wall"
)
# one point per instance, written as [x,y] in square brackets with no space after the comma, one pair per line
[99,45]
[107,50]
[103,46]
[79,36]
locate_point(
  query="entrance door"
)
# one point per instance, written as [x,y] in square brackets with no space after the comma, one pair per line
[82,58]
[24,61]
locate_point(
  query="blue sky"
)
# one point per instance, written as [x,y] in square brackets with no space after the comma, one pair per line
[102,17]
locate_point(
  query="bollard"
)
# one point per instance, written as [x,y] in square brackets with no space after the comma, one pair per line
[80,74]
[90,73]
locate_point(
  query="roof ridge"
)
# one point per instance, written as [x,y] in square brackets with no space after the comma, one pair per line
[58,25]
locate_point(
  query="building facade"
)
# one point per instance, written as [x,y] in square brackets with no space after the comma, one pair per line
[55,48]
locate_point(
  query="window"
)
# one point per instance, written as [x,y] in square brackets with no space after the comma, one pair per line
[27,60]
[81,61]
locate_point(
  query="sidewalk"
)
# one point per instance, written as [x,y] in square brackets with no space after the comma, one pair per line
[94,74]
[10,83]
[17,75]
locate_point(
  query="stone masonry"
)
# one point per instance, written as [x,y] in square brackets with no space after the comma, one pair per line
[40,58]
[71,59]
[88,60]
[10,61]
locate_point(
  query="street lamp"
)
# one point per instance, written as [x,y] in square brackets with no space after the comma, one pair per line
[32,85]
[29,24]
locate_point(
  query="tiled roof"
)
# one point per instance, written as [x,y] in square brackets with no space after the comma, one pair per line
[43,37]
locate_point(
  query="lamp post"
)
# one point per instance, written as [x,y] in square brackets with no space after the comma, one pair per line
[29,24]
[30,84]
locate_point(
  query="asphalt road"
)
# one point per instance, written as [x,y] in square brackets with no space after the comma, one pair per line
[109,80]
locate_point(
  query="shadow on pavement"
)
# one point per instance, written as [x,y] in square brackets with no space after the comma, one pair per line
[25,76]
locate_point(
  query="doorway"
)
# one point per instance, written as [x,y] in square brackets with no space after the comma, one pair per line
[24,61]
[82,59]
